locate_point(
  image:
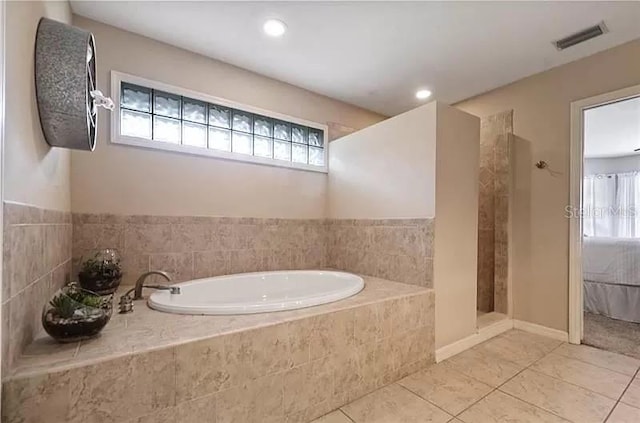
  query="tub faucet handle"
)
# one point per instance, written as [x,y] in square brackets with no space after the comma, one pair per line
[126,304]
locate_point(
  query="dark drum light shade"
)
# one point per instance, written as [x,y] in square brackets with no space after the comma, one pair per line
[65,79]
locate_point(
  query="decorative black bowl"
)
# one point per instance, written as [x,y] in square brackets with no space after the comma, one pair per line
[75,314]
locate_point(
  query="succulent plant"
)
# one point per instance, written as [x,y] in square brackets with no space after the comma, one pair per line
[66,305]
[102,273]
[94,268]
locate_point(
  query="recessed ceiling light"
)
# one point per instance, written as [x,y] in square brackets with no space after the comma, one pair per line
[422,94]
[274,28]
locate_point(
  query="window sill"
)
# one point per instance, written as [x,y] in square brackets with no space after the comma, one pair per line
[217,154]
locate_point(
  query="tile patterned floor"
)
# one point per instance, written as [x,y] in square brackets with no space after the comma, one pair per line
[515,377]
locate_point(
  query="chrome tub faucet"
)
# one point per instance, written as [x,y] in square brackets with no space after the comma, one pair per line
[126,301]
[140,284]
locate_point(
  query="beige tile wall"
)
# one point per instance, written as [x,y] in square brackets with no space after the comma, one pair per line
[502,212]
[493,211]
[194,247]
[40,244]
[293,371]
[37,261]
[395,249]
[486,216]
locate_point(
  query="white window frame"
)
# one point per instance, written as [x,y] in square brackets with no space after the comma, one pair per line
[117,138]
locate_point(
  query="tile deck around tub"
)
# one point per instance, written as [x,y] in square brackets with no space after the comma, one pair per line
[291,366]
[515,377]
[146,329]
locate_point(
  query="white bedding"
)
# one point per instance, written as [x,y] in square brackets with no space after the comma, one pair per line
[611,260]
[620,302]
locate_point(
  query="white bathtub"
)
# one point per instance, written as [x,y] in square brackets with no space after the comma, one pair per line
[260,292]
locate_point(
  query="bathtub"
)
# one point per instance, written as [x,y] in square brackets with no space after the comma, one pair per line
[260,292]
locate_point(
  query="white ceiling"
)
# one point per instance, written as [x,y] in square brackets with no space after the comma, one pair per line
[376,54]
[612,130]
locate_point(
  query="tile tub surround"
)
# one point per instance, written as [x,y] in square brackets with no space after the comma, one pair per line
[190,247]
[395,249]
[493,211]
[37,261]
[290,366]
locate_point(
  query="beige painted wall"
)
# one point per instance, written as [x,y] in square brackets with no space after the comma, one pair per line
[456,230]
[386,170]
[121,179]
[541,106]
[422,163]
[34,173]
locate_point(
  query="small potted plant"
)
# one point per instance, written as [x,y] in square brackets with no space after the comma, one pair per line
[102,273]
[75,314]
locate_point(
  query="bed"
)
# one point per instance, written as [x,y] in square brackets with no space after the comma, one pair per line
[611,274]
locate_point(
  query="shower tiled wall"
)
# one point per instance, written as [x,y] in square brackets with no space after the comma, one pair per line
[495,134]
[400,250]
[37,261]
[195,247]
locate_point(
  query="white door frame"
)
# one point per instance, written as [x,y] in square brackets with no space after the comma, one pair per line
[575,202]
[3,25]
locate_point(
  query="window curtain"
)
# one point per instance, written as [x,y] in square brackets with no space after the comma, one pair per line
[599,196]
[610,203]
[627,200]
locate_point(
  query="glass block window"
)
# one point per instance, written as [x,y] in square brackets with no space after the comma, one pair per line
[168,118]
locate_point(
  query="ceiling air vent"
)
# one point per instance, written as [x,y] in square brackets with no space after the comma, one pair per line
[581,36]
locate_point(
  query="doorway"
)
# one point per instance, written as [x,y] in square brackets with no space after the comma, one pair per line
[2,105]
[604,300]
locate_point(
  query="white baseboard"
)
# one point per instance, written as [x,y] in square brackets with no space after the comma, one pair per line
[482,335]
[541,330]
[493,330]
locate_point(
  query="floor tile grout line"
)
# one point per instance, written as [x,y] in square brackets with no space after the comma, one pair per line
[534,405]
[593,364]
[505,336]
[571,383]
[451,368]
[494,389]
[496,354]
[463,374]
[476,402]
[469,376]
[497,387]
[469,406]
[533,370]
[425,400]
[489,353]
[529,368]
[344,413]
[622,395]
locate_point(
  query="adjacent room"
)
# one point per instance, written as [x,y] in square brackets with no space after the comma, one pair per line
[611,246]
[319,211]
